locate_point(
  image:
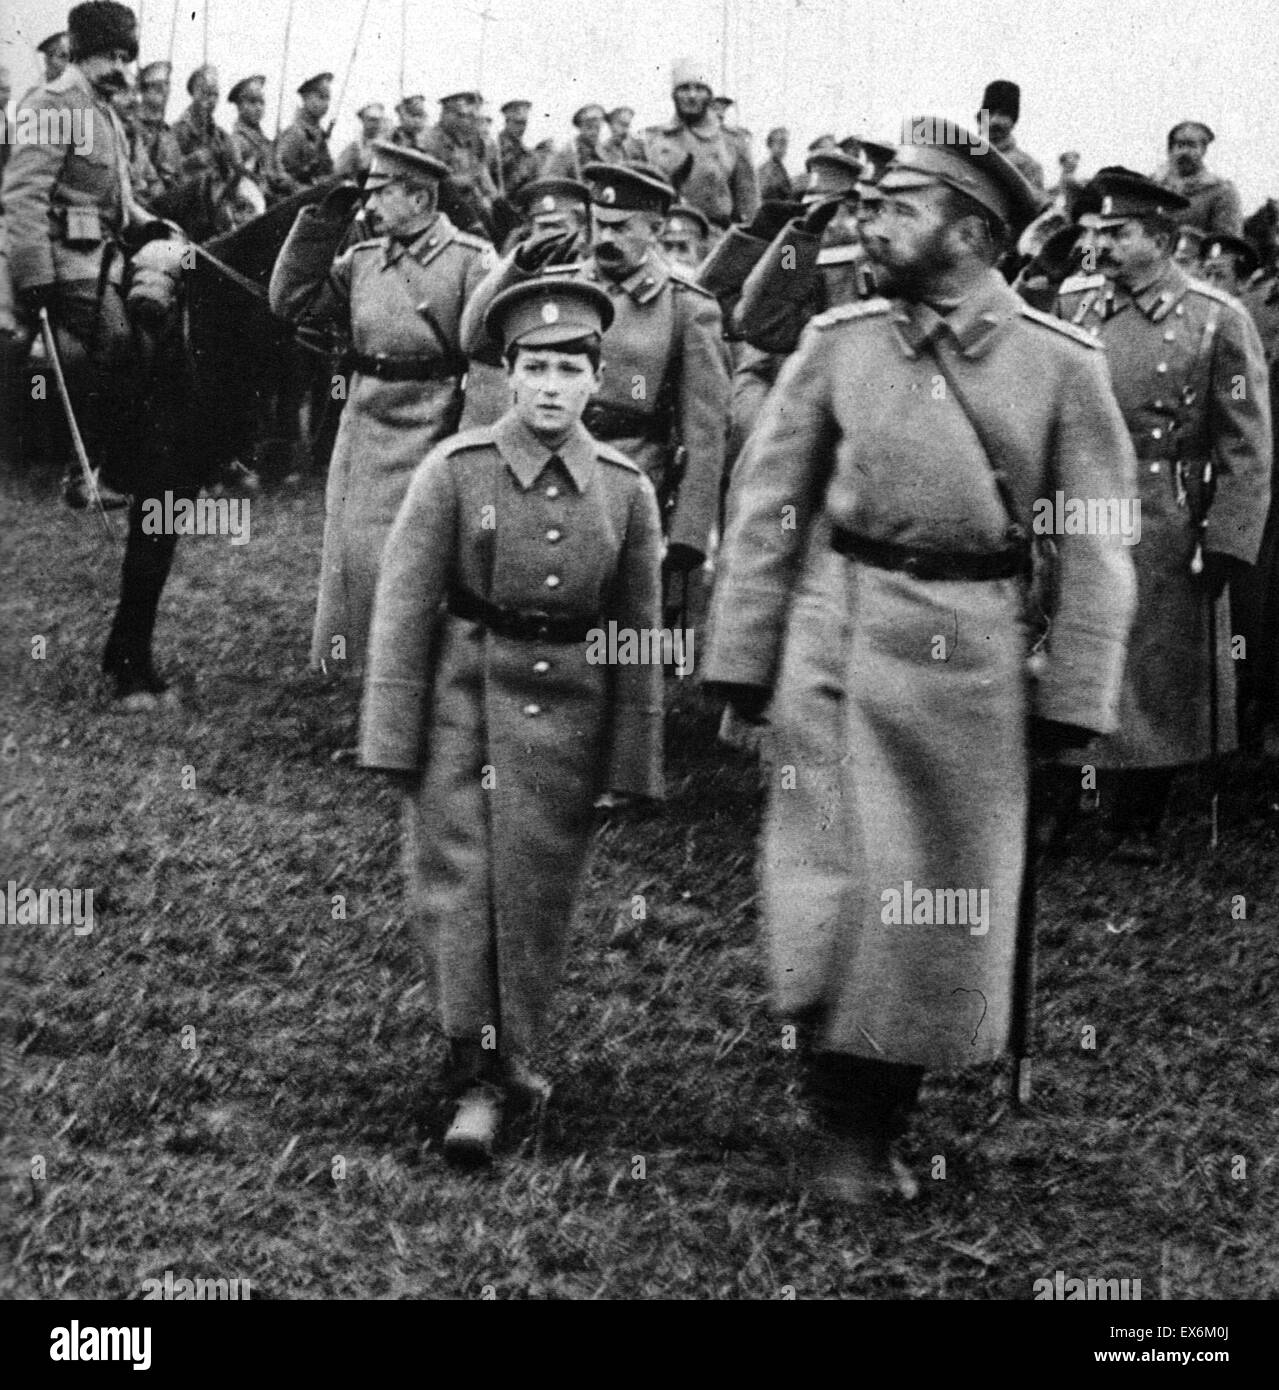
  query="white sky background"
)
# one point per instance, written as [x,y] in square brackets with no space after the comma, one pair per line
[1102,76]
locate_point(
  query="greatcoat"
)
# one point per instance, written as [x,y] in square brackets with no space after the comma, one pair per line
[399,302]
[1189,373]
[515,737]
[900,703]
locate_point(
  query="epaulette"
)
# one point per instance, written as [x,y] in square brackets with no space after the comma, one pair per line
[469,239]
[1080,335]
[854,309]
[367,245]
[684,279]
[615,456]
[1213,292]
[478,438]
[1076,284]
[567,269]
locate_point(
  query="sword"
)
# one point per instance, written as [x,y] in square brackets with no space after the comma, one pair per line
[1207,492]
[77,440]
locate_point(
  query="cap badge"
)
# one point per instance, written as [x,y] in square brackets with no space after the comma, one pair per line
[1107,206]
[607,196]
[547,204]
[550,313]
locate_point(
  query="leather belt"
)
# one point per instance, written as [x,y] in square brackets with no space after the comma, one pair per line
[387,368]
[522,624]
[929,564]
[608,422]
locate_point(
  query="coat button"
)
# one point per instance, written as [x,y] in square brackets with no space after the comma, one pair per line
[1154,468]
[1170,337]
[1179,310]
[1161,368]
[1156,434]
[554,535]
[552,492]
[552,581]
[540,668]
[532,710]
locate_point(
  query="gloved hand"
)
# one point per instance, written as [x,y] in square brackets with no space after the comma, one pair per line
[38,297]
[771,218]
[1220,570]
[1048,737]
[821,215]
[339,204]
[551,248]
[680,558]
[748,702]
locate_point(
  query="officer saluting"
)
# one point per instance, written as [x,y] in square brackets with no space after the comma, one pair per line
[398,298]
[491,715]
[1189,372]
[892,476]
[666,383]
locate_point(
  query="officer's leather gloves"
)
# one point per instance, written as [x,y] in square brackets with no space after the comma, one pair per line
[1220,570]
[551,248]
[339,204]
[748,702]
[820,216]
[772,216]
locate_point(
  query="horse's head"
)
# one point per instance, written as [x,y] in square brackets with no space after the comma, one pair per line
[238,201]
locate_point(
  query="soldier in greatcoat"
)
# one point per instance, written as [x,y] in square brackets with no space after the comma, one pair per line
[398,298]
[869,486]
[517,545]
[1189,372]
[302,149]
[666,387]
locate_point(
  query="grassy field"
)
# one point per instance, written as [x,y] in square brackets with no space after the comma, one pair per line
[221,1080]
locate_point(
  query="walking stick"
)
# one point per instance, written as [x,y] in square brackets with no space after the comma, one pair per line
[1022,1024]
[77,440]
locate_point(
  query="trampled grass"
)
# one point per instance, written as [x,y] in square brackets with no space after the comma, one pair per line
[222,1080]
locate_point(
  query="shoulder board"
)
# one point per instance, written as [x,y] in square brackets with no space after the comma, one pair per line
[469,239]
[367,245]
[854,309]
[1074,284]
[560,271]
[683,279]
[608,454]
[1202,287]
[1068,329]
[479,438]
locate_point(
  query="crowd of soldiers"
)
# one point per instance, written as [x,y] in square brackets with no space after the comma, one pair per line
[850,393]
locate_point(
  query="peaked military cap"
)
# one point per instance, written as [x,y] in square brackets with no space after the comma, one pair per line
[691,214]
[1003,98]
[1246,257]
[515,106]
[619,111]
[471,98]
[1209,137]
[875,156]
[51,42]
[402,162]
[627,188]
[415,104]
[547,311]
[369,108]
[206,71]
[315,84]
[582,110]
[832,173]
[1123,193]
[159,71]
[939,151]
[552,195]
[245,86]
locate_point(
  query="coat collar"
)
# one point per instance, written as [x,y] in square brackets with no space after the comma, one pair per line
[706,129]
[974,323]
[1165,289]
[527,457]
[428,243]
[644,283]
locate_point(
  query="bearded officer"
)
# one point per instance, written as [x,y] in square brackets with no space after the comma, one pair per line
[398,298]
[665,386]
[919,752]
[1190,374]
[70,212]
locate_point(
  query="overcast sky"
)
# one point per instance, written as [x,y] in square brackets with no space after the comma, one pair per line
[1106,77]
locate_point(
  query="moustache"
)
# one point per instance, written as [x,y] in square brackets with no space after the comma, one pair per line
[112,82]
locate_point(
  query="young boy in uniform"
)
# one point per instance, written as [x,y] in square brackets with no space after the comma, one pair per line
[514,542]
